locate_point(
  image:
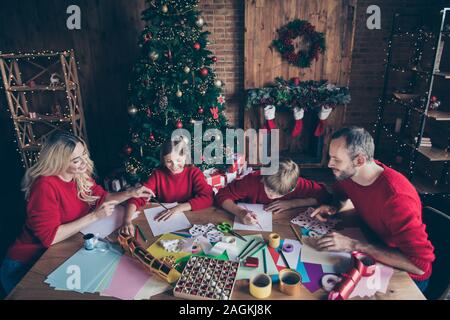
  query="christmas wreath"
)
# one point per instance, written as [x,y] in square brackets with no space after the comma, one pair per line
[285,43]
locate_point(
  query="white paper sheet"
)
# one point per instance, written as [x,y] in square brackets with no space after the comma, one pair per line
[107,225]
[264,218]
[153,286]
[175,223]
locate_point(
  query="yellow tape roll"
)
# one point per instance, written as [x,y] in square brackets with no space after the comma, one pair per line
[290,282]
[274,240]
[260,286]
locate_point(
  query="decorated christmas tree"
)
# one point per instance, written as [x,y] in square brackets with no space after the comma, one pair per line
[173,84]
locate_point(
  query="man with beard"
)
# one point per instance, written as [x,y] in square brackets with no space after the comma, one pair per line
[385,200]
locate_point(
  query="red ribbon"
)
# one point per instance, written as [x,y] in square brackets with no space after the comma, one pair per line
[363,266]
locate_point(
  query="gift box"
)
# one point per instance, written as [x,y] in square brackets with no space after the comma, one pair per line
[230,176]
[215,178]
[239,164]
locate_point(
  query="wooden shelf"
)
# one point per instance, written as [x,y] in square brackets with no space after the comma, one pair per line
[40,88]
[445,75]
[434,154]
[31,147]
[44,118]
[439,115]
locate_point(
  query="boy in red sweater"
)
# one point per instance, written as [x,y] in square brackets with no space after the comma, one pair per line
[279,192]
[174,181]
[385,199]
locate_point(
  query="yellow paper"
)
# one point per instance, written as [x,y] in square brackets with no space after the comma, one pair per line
[158,251]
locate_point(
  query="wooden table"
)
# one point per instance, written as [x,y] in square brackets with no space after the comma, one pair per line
[32,285]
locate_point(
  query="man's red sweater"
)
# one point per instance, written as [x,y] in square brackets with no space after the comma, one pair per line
[52,202]
[392,209]
[187,186]
[250,189]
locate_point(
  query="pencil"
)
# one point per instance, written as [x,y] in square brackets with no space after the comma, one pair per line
[141,233]
[284,259]
[246,247]
[257,250]
[264,260]
[296,233]
[257,222]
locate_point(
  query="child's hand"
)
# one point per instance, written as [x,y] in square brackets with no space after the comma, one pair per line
[249,217]
[278,206]
[163,216]
[127,228]
[142,192]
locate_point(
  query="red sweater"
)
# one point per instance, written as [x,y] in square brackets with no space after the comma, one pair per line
[52,202]
[187,186]
[250,189]
[394,213]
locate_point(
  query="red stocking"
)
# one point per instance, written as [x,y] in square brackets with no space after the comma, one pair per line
[269,115]
[298,116]
[323,114]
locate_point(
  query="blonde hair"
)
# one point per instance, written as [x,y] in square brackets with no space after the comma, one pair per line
[285,180]
[54,159]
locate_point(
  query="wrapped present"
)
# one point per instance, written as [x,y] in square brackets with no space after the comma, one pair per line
[230,176]
[245,172]
[215,178]
[239,164]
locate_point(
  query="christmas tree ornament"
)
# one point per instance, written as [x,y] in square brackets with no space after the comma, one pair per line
[204,72]
[214,59]
[165,8]
[197,46]
[151,137]
[218,83]
[168,54]
[179,94]
[221,99]
[296,81]
[200,22]
[323,115]
[214,112]
[135,138]
[149,113]
[147,37]
[132,110]
[298,116]
[154,55]
[269,115]
[200,110]
[179,124]
[187,69]
[127,150]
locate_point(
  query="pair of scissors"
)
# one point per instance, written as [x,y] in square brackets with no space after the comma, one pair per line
[225,227]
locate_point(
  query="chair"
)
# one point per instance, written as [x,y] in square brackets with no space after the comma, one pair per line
[438,228]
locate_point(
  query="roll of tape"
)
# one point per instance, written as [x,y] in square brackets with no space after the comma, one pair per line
[195,249]
[290,282]
[260,286]
[230,240]
[287,247]
[274,240]
[329,281]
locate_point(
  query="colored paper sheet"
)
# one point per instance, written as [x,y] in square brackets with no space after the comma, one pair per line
[153,286]
[378,282]
[128,279]
[107,225]
[176,222]
[315,274]
[90,265]
[157,250]
[277,257]
[293,256]
[264,218]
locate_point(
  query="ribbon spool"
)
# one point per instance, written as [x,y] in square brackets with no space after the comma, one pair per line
[260,286]
[287,247]
[364,263]
[329,281]
[195,249]
[290,282]
[274,240]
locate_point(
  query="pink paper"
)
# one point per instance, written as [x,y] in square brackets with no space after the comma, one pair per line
[128,279]
[379,281]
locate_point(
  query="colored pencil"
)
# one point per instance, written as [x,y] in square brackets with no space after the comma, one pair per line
[264,260]
[284,258]
[141,233]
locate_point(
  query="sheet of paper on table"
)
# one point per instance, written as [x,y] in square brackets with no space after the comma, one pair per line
[107,225]
[264,218]
[176,222]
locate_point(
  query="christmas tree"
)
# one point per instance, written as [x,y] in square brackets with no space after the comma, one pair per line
[173,84]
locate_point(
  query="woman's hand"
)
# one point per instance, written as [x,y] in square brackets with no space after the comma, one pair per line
[141,192]
[127,228]
[105,209]
[279,206]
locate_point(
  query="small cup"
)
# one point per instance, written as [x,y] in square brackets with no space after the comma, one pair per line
[260,286]
[90,240]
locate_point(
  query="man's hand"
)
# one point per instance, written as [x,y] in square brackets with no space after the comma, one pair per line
[321,213]
[141,192]
[279,206]
[336,242]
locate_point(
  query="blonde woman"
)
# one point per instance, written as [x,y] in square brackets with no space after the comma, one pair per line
[62,198]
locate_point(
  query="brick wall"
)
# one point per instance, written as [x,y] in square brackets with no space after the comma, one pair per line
[225,20]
